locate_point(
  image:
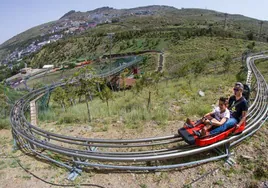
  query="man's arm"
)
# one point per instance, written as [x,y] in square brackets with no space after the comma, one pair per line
[244,116]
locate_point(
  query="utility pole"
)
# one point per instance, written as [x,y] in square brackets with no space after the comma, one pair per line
[225,20]
[261,23]
[110,36]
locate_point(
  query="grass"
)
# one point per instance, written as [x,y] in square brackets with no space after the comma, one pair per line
[2,165]
[143,186]
[174,100]
[263,66]
[50,78]
[4,124]
[13,164]
[208,50]
[219,182]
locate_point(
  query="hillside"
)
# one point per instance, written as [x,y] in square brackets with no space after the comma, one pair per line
[128,118]
[199,55]
[8,97]
[113,20]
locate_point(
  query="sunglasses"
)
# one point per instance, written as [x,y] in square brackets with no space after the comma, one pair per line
[236,89]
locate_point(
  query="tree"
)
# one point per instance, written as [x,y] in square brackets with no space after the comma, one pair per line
[71,93]
[250,36]
[147,81]
[86,86]
[123,78]
[59,96]
[105,94]
[156,76]
[227,62]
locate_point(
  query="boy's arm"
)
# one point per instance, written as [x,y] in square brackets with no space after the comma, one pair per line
[218,123]
[208,114]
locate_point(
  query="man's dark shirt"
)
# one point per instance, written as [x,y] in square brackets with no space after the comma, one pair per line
[236,111]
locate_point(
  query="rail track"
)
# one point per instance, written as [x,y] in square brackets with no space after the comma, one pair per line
[75,153]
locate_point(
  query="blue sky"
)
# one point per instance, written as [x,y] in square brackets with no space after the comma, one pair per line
[17,16]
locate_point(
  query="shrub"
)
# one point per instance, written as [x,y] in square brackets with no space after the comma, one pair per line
[48,116]
[4,124]
[136,116]
[261,171]
[68,118]
[252,184]
[250,36]
[160,115]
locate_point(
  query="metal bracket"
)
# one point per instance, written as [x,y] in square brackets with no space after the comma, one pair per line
[15,146]
[91,148]
[74,173]
[229,160]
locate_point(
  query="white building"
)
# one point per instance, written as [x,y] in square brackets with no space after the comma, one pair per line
[48,67]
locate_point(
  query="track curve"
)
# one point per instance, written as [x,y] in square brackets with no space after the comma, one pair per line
[128,154]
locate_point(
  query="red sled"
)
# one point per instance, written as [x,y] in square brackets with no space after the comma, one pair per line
[191,138]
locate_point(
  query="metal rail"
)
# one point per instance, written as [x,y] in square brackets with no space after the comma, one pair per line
[129,154]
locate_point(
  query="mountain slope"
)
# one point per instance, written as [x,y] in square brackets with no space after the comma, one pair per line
[136,18]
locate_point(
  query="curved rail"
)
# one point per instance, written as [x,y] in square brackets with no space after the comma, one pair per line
[129,154]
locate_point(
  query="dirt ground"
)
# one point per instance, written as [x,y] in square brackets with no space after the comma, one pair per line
[249,156]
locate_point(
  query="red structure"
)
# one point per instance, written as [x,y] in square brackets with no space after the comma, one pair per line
[129,82]
[135,70]
[83,63]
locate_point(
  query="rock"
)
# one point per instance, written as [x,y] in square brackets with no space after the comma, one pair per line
[89,128]
[201,93]
[246,157]
[226,165]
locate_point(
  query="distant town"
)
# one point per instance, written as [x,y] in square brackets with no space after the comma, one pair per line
[67,26]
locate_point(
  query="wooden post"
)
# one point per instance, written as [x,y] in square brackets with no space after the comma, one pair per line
[34,110]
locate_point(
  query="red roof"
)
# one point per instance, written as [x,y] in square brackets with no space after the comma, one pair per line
[128,81]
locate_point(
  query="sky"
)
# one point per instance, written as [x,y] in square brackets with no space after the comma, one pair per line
[17,16]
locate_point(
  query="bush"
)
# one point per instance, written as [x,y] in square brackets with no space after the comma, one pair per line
[250,36]
[252,184]
[261,171]
[136,116]
[48,116]
[160,115]
[4,124]
[68,118]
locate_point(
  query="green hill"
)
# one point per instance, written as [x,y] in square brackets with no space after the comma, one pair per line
[150,17]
